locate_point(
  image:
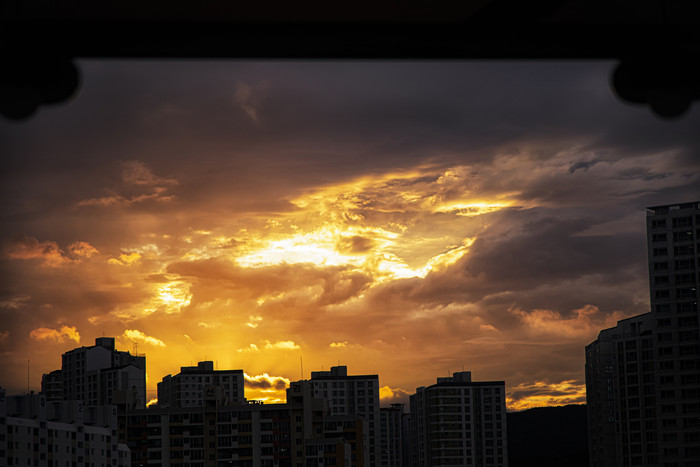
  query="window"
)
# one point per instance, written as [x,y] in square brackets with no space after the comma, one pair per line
[684,264]
[666,365]
[663,293]
[660,251]
[668,422]
[690,364]
[660,280]
[685,279]
[685,292]
[683,222]
[688,349]
[664,336]
[685,336]
[684,236]
[686,307]
[666,379]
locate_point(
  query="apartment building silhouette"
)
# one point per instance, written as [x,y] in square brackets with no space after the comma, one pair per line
[98,375]
[189,387]
[643,375]
[458,421]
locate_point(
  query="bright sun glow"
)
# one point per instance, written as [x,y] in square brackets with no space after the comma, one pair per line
[470,209]
[371,225]
[567,392]
[170,298]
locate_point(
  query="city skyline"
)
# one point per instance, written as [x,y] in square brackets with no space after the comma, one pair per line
[406,219]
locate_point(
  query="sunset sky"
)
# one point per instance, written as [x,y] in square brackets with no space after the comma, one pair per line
[407,219]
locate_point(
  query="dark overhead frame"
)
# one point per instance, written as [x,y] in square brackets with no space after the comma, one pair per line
[657,43]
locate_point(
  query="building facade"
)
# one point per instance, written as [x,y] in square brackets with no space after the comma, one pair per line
[459,422]
[245,434]
[34,431]
[193,383]
[393,436]
[643,376]
[97,374]
[354,395]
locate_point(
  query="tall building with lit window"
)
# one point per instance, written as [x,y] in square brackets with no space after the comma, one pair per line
[459,422]
[643,376]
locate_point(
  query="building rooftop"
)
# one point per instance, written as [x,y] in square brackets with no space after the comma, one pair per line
[664,208]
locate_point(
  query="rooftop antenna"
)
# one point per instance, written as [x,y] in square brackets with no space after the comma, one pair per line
[27,376]
[136,349]
[301,362]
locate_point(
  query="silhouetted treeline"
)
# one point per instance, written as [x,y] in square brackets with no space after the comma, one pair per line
[548,437]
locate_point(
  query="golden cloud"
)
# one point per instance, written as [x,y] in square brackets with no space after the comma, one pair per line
[584,322]
[282,345]
[26,247]
[253,321]
[137,335]
[125,259]
[266,388]
[393,395]
[66,332]
[169,298]
[377,225]
[541,394]
[265,381]
[82,249]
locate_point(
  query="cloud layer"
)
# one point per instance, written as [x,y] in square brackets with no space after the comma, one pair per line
[403,219]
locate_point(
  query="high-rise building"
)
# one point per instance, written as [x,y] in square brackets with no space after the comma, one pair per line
[52,385]
[312,421]
[246,434]
[188,388]
[352,395]
[393,435]
[459,422]
[643,375]
[34,431]
[98,373]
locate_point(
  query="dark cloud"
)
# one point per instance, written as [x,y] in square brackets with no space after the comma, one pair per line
[584,164]
[266,382]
